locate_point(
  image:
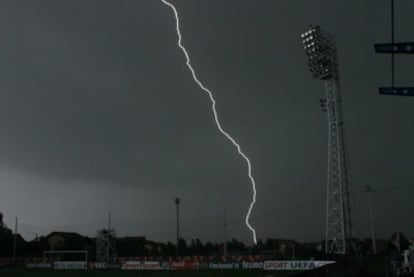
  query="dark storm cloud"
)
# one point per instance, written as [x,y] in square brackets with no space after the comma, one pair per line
[96,101]
[89,93]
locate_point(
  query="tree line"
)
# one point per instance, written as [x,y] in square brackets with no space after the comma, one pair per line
[140,246]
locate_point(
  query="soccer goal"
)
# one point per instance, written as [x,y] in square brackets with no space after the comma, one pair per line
[67,259]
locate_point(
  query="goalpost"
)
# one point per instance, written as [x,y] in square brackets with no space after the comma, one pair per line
[68,259]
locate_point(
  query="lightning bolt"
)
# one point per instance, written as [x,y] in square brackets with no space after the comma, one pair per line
[213,107]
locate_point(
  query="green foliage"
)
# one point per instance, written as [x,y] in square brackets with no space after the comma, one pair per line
[6,241]
[37,246]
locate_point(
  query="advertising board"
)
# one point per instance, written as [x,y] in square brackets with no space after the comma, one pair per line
[185,265]
[252,265]
[224,265]
[294,265]
[100,266]
[39,265]
[69,265]
[138,265]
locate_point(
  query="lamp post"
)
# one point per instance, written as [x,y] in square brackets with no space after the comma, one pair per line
[15,240]
[177,203]
[225,233]
[368,190]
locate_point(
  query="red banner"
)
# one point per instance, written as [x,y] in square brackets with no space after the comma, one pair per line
[184,265]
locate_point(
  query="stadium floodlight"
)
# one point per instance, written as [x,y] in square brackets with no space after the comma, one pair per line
[320,52]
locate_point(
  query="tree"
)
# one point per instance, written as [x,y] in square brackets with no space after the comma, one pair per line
[6,240]
[37,246]
[182,246]
[236,246]
[196,247]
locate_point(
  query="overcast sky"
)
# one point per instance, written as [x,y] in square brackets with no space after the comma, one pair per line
[99,113]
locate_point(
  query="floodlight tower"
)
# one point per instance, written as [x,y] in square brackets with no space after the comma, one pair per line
[320,50]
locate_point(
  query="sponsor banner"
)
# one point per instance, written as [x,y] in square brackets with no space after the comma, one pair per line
[114,266]
[136,265]
[104,266]
[204,265]
[100,266]
[5,262]
[224,266]
[252,265]
[39,265]
[69,265]
[294,265]
[184,265]
[165,265]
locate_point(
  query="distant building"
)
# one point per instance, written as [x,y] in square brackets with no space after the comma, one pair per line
[66,241]
[20,240]
[132,240]
[132,246]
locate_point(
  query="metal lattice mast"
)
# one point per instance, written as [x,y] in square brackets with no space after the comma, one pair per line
[105,245]
[321,53]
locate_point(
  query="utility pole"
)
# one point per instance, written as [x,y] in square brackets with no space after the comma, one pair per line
[177,203]
[108,248]
[368,190]
[225,233]
[15,240]
[392,43]
[109,221]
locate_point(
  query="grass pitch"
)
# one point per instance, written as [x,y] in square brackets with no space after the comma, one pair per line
[115,273]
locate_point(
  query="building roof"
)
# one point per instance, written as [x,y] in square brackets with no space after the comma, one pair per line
[134,238]
[65,235]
